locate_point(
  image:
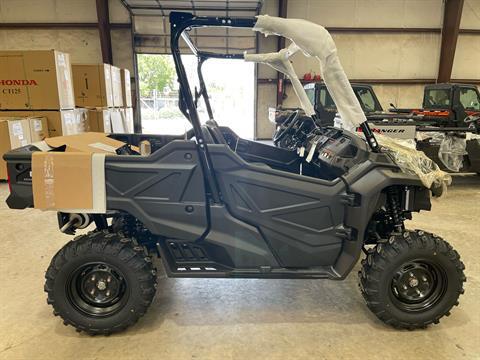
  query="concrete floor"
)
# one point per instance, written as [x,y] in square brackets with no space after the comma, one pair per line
[237,319]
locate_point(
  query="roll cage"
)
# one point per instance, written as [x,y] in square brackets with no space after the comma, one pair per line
[180,23]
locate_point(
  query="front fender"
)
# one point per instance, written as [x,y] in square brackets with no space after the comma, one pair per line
[366,183]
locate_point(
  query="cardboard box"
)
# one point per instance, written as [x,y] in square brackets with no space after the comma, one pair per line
[14,133]
[117,121]
[93,85]
[99,120]
[35,79]
[18,131]
[126,88]
[116,86]
[127,117]
[59,122]
[73,180]
[38,128]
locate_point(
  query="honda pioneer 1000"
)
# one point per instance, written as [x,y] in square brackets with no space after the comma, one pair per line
[214,205]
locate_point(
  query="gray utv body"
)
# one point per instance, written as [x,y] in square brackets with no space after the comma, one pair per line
[224,206]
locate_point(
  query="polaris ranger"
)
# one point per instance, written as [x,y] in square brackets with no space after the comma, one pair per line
[214,205]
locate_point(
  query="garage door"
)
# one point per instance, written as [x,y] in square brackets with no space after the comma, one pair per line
[152,28]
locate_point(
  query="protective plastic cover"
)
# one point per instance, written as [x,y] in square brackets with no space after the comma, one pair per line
[315,40]
[451,149]
[415,162]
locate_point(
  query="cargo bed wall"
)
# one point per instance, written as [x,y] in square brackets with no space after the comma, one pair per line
[165,190]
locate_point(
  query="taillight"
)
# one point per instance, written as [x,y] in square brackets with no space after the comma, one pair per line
[9,185]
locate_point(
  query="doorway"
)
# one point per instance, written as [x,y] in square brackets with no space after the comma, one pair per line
[230,84]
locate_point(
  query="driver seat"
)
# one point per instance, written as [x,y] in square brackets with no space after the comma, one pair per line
[215,132]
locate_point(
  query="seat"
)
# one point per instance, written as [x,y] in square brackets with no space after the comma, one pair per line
[207,137]
[215,132]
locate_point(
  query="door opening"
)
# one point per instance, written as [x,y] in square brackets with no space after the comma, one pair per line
[230,86]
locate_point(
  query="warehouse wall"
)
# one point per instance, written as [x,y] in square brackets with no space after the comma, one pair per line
[376,55]
[82,44]
[266,92]
[364,55]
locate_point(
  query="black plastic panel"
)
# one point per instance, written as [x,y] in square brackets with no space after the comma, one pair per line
[19,168]
[292,211]
[243,244]
[165,190]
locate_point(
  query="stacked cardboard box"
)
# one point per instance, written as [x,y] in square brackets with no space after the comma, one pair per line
[99,87]
[18,131]
[127,111]
[39,83]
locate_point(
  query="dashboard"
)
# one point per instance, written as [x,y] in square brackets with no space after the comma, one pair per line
[334,149]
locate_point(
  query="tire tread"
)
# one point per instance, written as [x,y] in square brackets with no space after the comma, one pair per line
[378,260]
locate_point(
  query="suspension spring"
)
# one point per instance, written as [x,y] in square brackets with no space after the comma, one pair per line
[395,210]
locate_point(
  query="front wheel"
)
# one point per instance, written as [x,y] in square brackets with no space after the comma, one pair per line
[101,282]
[412,280]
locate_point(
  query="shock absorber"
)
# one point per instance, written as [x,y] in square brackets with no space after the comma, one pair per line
[394,207]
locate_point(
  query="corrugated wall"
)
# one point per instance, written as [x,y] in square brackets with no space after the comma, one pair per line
[364,55]
[377,55]
[82,44]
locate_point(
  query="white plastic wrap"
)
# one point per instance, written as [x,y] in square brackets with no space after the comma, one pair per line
[280,62]
[415,162]
[315,40]
[451,151]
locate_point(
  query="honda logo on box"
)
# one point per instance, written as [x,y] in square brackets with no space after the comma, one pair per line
[18,82]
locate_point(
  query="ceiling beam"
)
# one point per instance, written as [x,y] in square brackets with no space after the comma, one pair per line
[382,81]
[103,17]
[452,14]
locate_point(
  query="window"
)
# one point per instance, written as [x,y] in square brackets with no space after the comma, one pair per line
[230,85]
[469,99]
[326,100]
[366,99]
[437,99]
[311,95]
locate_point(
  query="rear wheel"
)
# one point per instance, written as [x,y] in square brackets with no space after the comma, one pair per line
[101,282]
[412,280]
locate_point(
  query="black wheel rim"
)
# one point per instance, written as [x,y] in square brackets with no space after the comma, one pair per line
[418,285]
[97,289]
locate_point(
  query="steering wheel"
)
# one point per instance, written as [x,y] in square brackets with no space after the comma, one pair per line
[286,126]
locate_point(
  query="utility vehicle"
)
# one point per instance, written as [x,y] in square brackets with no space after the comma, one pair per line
[325,106]
[213,205]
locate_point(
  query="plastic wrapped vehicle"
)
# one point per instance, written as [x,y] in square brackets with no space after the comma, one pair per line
[215,205]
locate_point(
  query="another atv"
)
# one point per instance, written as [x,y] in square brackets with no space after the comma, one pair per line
[215,205]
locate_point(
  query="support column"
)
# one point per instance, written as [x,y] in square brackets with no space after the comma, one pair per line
[452,15]
[104,31]
[282,12]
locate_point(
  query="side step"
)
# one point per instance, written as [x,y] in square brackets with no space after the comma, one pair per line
[190,260]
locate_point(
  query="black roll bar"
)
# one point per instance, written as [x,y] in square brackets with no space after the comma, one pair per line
[179,22]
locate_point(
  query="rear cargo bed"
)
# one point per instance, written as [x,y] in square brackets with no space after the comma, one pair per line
[19,166]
